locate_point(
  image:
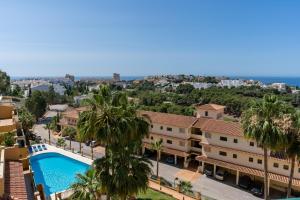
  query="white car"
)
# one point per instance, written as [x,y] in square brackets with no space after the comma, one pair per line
[221,174]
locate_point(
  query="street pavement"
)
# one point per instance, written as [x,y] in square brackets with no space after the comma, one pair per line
[206,186]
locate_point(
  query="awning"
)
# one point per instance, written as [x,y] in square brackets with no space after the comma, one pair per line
[249,170]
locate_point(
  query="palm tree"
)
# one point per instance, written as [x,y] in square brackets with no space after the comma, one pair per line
[26,120]
[130,173]
[49,128]
[185,187]
[87,186]
[113,121]
[290,124]
[259,124]
[61,142]
[157,146]
[71,133]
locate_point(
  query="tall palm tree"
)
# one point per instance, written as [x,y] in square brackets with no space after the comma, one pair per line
[157,146]
[49,128]
[259,124]
[71,133]
[130,173]
[113,121]
[26,120]
[290,124]
[87,186]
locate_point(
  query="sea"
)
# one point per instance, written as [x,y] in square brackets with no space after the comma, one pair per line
[291,81]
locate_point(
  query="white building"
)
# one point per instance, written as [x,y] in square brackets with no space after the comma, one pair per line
[45,88]
[279,86]
[232,83]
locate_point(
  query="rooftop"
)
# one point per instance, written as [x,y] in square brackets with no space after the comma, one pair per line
[169,119]
[210,107]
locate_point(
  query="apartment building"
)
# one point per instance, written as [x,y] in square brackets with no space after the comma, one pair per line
[9,121]
[215,143]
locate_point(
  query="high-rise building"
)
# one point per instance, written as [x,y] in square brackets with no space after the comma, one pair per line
[116,77]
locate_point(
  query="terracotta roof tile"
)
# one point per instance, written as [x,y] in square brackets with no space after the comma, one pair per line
[169,119]
[219,126]
[211,107]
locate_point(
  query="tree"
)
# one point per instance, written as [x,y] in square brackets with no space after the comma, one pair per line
[157,146]
[61,142]
[184,88]
[36,104]
[114,122]
[87,186]
[70,132]
[185,187]
[49,127]
[4,83]
[259,124]
[26,120]
[9,140]
[51,95]
[290,125]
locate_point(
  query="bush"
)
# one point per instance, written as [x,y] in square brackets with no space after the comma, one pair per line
[8,139]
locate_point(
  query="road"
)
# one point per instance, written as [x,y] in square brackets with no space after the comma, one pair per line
[206,186]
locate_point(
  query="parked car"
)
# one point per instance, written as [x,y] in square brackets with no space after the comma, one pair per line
[245,182]
[87,143]
[170,160]
[257,189]
[93,143]
[221,174]
[208,170]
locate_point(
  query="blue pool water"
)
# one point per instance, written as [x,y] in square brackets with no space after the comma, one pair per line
[55,171]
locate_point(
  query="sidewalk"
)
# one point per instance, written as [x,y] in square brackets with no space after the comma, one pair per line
[169,191]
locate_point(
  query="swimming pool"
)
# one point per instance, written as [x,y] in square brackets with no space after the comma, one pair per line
[55,171]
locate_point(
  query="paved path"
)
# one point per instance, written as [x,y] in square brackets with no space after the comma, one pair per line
[206,186]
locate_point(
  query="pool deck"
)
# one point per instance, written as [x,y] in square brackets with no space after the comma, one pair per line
[53,149]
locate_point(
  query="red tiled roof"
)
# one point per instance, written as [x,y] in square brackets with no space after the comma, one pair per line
[249,170]
[14,180]
[205,124]
[210,106]
[169,119]
[219,126]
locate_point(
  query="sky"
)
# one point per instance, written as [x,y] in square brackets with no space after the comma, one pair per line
[147,37]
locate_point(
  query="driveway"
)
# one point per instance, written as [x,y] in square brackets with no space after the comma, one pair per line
[206,186]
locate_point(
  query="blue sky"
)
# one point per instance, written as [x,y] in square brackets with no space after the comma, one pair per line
[142,37]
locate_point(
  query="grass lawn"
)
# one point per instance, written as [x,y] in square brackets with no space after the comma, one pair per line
[154,195]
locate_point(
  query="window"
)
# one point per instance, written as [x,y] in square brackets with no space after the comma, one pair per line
[206,113]
[181,130]
[235,140]
[151,126]
[181,143]
[298,170]
[151,138]
[259,161]
[276,165]
[234,155]
[250,159]
[207,135]
[161,127]
[223,138]
[222,153]
[252,144]
[169,129]
[169,141]
[286,167]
